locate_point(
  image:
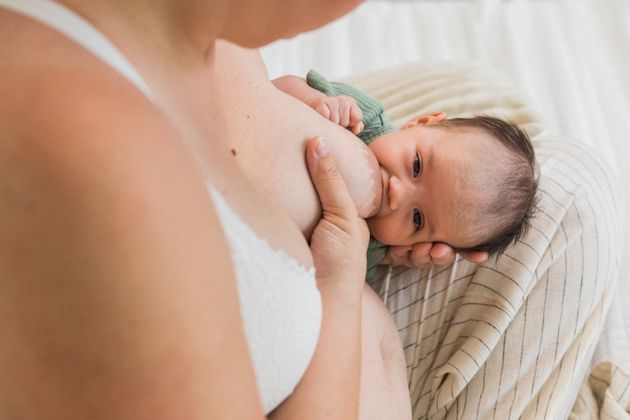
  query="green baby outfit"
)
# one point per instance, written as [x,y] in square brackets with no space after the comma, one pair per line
[375,123]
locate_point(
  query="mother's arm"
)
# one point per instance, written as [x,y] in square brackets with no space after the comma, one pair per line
[330,386]
[117,296]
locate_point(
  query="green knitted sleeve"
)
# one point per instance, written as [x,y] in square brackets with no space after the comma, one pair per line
[375,253]
[375,122]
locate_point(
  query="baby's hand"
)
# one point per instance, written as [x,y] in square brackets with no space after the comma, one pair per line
[342,110]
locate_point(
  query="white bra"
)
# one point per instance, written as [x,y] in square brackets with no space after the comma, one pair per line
[280,303]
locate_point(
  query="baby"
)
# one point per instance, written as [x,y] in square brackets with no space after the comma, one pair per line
[467,182]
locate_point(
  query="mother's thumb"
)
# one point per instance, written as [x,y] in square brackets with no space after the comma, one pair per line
[329,183]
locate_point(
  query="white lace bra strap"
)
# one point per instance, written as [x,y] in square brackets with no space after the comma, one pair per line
[82,32]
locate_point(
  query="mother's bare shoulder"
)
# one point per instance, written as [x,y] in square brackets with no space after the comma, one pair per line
[103,222]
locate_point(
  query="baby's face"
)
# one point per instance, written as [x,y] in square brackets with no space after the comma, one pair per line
[428,190]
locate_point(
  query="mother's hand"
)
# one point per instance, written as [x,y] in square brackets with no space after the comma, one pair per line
[339,245]
[339,241]
[424,254]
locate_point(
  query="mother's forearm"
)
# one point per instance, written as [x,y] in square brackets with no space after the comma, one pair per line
[330,386]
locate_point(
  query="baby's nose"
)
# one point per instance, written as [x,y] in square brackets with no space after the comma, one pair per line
[397,193]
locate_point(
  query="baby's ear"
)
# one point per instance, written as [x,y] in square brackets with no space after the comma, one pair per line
[425,119]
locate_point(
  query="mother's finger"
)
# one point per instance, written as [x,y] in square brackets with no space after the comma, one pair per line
[476,257]
[330,186]
[420,255]
[397,255]
[442,254]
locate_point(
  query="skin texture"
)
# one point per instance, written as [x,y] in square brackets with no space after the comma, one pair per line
[117,289]
[90,248]
[434,174]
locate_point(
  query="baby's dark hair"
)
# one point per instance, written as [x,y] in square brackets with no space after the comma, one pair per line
[516,199]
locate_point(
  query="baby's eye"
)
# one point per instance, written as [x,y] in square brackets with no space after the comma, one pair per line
[417,219]
[417,166]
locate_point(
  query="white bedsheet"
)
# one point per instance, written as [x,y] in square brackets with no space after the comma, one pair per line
[571,56]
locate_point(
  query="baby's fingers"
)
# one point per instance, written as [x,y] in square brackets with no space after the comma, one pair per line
[357,128]
[323,110]
[328,110]
[356,118]
[344,111]
[333,106]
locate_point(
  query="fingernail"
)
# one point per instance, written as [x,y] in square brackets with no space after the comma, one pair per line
[321,150]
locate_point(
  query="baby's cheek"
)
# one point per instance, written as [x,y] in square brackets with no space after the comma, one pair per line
[379,230]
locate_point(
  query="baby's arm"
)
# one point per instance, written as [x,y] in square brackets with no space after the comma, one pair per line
[342,109]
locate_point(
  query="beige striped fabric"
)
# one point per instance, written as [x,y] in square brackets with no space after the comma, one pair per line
[604,395]
[513,337]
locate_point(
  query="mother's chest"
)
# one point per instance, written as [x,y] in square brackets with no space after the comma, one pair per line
[234,164]
[267,143]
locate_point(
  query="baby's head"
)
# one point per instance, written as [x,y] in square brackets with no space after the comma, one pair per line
[467,182]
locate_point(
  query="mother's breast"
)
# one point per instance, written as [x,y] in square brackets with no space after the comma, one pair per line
[272,130]
[268,130]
